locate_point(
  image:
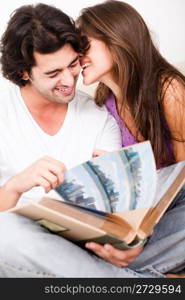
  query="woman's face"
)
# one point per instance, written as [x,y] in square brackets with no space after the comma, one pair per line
[97,63]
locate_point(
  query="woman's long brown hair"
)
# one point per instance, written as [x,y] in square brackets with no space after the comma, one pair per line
[141,72]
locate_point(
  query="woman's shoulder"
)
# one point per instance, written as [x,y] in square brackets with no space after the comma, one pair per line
[173,91]
[174,106]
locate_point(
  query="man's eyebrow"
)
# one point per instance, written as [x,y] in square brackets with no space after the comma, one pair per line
[59,70]
[53,71]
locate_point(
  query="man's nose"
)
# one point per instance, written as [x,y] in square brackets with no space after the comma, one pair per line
[67,78]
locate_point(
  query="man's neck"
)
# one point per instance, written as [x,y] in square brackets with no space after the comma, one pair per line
[48,115]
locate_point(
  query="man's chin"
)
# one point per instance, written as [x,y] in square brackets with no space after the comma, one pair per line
[66,99]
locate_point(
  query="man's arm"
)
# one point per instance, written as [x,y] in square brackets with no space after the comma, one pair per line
[109,139]
[46,172]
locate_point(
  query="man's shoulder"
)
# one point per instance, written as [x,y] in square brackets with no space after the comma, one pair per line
[6,88]
[86,103]
[81,96]
[7,93]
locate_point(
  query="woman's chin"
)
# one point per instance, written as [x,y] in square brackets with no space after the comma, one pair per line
[87,81]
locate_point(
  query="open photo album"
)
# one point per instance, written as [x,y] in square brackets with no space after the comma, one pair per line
[115,198]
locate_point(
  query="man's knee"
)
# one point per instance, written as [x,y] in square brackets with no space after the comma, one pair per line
[10,222]
[14,229]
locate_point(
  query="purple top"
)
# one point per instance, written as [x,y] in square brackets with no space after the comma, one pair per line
[127,137]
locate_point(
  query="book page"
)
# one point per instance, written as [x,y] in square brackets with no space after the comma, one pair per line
[115,181]
[165,178]
[172,181]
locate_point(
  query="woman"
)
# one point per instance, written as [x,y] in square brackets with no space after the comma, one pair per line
[140,89]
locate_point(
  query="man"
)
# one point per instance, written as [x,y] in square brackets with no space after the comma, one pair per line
[42,116]
[44,125]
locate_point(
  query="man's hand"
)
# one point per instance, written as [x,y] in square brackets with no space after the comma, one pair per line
[46,172]
[119,258]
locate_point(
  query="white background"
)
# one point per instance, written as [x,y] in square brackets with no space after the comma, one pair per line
[165,19]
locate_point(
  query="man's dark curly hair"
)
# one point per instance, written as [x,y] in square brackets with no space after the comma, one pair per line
[40,28]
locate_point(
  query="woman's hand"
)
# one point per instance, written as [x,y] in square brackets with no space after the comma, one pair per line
[119,258]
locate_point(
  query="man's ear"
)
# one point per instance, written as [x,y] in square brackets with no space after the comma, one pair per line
[25,75]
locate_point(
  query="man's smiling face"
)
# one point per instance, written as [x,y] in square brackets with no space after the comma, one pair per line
[55,75]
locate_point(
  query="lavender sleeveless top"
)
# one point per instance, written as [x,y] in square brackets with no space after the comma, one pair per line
[127,137]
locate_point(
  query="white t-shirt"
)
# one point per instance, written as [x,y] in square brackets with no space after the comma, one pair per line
[86,127]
